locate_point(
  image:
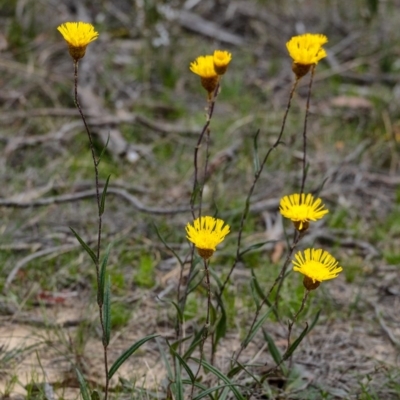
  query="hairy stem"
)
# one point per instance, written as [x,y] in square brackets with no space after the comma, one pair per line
[99,226]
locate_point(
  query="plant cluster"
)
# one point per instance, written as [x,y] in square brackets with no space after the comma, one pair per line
[205,233]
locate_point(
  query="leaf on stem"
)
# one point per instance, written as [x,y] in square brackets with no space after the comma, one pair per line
[275,353]
[86,247]
[103,150]
[255,246]
[221,327]
[195,342]
[103,196]
[256,327]
[102,276]
[107,313]
[82,385]
[220,375]
[295,344]
[167,246]
[127,353]
[183,363]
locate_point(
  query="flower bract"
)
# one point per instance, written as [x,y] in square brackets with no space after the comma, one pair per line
[317,265]
[206,233]
[301,209]
[221,61]
[306,50]
[78,35]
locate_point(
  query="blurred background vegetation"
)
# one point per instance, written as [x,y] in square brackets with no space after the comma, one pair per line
[135,85]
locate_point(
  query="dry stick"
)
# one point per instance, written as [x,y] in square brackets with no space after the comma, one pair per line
[65,198]
[97,263]
[256,177]
[303,180]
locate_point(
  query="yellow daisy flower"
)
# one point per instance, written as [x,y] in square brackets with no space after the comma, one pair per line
[77,35]
[221,61]
[316,265]
[302,209]
[306,50]
[204,67]
[206,233]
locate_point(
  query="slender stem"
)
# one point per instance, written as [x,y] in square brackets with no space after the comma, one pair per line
[286,355]
[207,323]
[210,111]
[303,179]
[197,186]
[250,193]
[294,319]
[99,226]
[297,236]
[279,279]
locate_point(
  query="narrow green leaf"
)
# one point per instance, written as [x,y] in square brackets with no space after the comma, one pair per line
[315,320]
[107,313]
[167,246]
[254,292]
[195,342]
[255,246]
[215,277]
[208,391]
[85,246]
[256,160]
[182,362]
[262,295]
[295,344]
[256,327]
[192,284]
[178,382]
[275,353]
[103,149]
[221,376]
[197,384]
[95,395]
[166,359]
[127,353]
[176,344]
[103,196]
[83,385]
[178,310]
[102,276]
[221,327]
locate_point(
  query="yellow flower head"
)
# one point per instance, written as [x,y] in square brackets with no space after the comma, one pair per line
[316,265]
[221,61]
[206,233]
[306,50]
[77,35]
[204,67]
[302,209]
